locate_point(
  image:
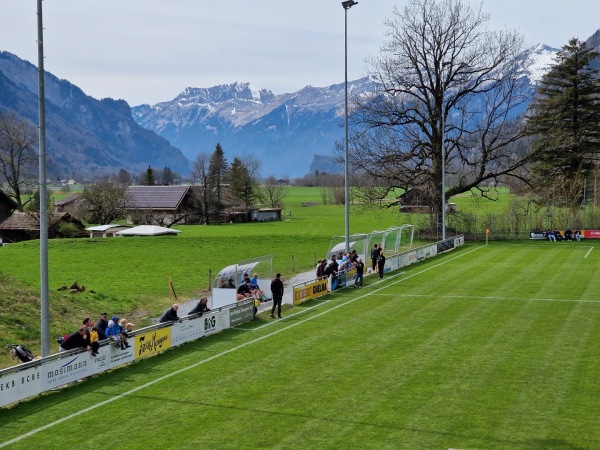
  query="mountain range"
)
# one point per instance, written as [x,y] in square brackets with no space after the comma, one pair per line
[290,134]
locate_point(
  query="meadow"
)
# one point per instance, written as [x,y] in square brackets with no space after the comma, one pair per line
[487,346]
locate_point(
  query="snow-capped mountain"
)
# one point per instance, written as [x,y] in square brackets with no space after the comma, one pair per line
[288,133]
[284,131]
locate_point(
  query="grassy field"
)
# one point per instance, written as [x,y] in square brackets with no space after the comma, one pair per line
[485,347]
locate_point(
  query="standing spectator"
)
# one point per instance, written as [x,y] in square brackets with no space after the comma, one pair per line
[381,264]
[374,256]
[170,315]
[360,269]
[94,344]
[201,307]
[101,326]
[277,291]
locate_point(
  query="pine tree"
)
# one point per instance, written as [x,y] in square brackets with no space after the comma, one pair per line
[149,177]
[241,183]
[565,119]
[217,174]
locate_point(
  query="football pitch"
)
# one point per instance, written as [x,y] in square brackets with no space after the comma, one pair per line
[488,346]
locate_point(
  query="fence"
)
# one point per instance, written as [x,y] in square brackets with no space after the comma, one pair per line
[29,379]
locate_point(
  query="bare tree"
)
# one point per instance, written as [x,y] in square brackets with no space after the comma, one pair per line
[272,193]
[445,84]
[202,194]
[104,201]
[18,158]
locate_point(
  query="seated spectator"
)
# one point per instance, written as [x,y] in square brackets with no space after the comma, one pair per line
[129,327]
[79,339]
[550,235]
[201,307]
[170,315]
[101,326]
[256,290]
[230,284]
[223,284]
[568,235]
[243,291]
[113,332]
[578,235]
[123,327]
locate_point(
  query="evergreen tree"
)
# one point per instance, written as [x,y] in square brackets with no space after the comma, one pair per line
[241,183]
[565,118]
[217,175]
[149,177]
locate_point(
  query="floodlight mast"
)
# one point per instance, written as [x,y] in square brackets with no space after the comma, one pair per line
[44,291]
[346,5]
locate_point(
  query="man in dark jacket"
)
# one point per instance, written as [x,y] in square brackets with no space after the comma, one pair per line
[101,326]
[277,292]
[79,339]
[170,315]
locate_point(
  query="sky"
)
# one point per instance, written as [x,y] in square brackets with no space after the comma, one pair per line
[148,51]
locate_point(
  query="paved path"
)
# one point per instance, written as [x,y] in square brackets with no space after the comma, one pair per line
[288,294]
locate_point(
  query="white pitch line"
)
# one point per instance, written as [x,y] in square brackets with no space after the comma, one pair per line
[226,352]
[588,252]
[493,298]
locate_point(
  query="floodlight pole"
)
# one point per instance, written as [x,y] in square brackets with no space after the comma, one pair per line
[44,303]
[346,5]
[443,153]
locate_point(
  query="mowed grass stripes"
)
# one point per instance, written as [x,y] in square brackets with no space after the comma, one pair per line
[485,347]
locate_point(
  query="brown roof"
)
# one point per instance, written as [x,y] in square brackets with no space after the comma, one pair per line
[67,200]
[6,199]
[155,197]
[24,221]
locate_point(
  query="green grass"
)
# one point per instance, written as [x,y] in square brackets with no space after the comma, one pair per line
[484,347]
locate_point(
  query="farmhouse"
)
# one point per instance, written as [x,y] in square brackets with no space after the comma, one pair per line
[22,226]
[7,206]
[71,205]
[157,205]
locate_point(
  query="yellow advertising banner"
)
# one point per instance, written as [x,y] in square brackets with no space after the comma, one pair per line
[152,342]
[310,291]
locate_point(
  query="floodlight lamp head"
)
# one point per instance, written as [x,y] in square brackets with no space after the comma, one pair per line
[349,4]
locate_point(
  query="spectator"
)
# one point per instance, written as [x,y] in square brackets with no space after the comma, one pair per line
[277,292]
[170,315]
[550,235]
[124,336]
[568,235]
[360,269]
[230,284]
[101,326]
[374,256]
[243,291]
[381,264]
[578,235]
[79,339]
[201,307]
[223,284]
[256,290]
[113,332]
[321,269]
[94,344]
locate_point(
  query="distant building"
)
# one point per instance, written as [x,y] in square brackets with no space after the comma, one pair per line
[70,204]
[7,206]
[22,226]
[157,205]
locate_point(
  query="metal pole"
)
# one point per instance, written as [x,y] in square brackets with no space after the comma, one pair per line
[44,303]
[346,5]
[443,157]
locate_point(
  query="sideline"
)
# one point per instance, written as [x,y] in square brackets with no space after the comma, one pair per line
[226,352]
[492,298]
[588,253]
